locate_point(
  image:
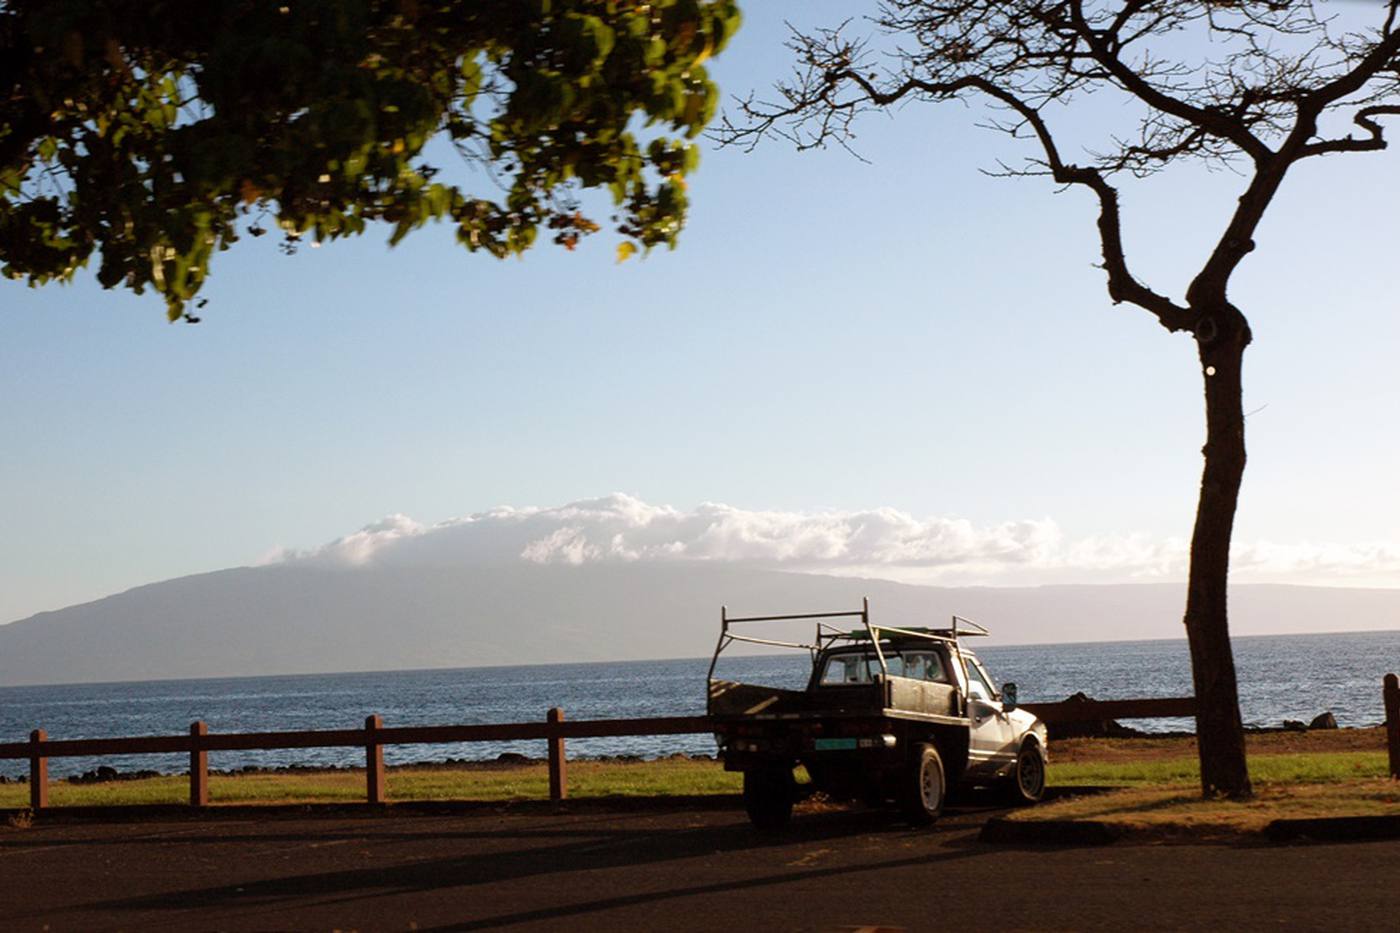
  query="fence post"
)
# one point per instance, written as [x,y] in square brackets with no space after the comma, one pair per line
[38,772]
[558,777]
[1391,694]
[374,760]
[199,765]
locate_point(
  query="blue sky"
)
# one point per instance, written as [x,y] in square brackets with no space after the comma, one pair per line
[831,337]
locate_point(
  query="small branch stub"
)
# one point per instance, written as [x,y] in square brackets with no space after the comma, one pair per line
[1207,330]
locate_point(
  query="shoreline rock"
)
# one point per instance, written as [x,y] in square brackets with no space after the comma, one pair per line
[1090,728]
[106,774]
[1323,721]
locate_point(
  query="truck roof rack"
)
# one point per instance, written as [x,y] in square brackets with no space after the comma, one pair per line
[828,635]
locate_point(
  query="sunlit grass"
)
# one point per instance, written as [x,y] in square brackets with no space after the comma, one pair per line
[1162,781]
[671,777]
[1163,796]
[1304,767]
[63,794]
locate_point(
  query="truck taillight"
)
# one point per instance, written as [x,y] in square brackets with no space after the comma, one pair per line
[865,727]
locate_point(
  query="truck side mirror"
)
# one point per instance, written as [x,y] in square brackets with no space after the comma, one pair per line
[1008,697]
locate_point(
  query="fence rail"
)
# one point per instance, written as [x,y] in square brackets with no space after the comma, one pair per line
[555,729]
[351,738]
[372,738]
[1096,710]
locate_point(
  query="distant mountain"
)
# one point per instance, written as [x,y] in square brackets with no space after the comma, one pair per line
[297,616]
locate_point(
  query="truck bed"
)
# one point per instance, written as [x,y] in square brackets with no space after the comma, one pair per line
[893,697]
[731,699]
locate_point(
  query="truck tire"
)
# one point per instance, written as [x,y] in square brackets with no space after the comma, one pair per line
[1027,782]
[768,796]
[924,786]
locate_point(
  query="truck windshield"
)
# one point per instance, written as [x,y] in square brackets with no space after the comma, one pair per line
[860,667]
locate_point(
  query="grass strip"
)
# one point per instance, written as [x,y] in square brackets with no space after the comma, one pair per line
[1162,797]
[1296,768]
[1180,809]
[1172,777]
[670,777]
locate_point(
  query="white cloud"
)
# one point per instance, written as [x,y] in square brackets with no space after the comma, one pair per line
[1367,563]
[358,548]
[883,542]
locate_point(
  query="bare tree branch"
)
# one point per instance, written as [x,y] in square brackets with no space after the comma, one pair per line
[1101,46]
[1364,118]
[1251,81]
[1122,285]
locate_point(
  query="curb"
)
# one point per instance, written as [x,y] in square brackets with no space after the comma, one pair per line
[137,813]
[1334,829]
[1001,831]
[1061,791]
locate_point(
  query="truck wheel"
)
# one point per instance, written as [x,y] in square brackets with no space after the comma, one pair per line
[1027,782]
[768,796]
[924,786]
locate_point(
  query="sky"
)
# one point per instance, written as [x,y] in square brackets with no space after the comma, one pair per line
[902,349]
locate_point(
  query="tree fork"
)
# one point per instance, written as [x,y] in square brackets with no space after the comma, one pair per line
[1221,335]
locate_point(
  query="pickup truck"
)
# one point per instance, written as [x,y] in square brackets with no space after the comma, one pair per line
[889,714]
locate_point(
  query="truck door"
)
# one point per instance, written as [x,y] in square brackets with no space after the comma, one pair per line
[991,741]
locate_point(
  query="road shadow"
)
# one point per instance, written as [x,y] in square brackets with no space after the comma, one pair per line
[583,817]
[568,844]
[578,909]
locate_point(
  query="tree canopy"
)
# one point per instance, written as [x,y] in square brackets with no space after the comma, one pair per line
[1258,86]
[154,133]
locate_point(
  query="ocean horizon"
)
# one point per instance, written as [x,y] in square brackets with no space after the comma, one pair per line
[1282,677]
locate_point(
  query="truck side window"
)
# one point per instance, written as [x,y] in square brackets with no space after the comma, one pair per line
[849,669]
[977,685]
[924,665]
[935,670]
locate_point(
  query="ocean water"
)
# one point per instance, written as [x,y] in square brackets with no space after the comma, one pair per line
[1281,677]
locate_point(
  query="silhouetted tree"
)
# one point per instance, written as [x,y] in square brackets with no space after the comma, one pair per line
[154,132]
[1259,86]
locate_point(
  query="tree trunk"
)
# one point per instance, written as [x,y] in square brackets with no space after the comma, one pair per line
[1221,339]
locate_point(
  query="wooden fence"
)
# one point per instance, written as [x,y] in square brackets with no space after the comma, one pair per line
[372,738]
[554,730]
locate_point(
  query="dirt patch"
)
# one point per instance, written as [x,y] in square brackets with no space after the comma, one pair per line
[1179,813]
[1256,743]
[20,819]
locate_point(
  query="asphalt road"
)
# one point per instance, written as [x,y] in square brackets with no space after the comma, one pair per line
[672,868]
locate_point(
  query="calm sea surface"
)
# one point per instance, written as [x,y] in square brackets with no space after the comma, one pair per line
[1281,677]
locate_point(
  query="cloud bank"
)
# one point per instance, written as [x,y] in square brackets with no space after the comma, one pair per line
[883,542]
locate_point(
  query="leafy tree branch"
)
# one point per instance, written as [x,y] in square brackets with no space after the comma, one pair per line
[152,134]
